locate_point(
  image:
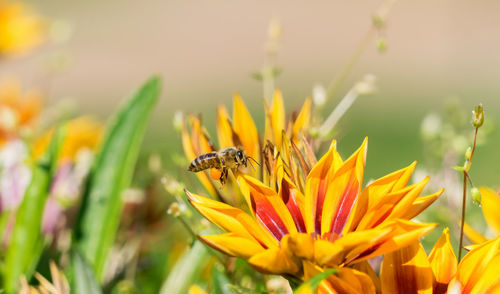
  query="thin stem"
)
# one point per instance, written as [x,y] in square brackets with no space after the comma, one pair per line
[463,217]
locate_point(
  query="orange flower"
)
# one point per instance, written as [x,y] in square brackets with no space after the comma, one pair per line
[330,223]
[18,111]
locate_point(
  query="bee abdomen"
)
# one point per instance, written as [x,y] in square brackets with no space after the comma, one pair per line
[204,161]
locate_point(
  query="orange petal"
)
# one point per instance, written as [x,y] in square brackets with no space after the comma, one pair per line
[277,118]
[231,219]
[294,201]
[407,270]
[299,245]
[366,268]
[443,262]
[489,282]
[473,265]
[273,261]
[420,204]
[404,233]
[316,185]
[376,192]
[302,121]
[342,192]
[490,204]
[348,280]
[267,207]
[224,129]
[310,270]
[244,127]
[234,245]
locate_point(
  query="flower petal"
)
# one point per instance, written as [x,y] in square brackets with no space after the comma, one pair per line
[277,118]
[342,193]
[299,245]
[294,201]
[316,185]
[231,219]
[407,270]
[348,280]
[474,235]
[443,262]
[302,121]
[224,128]
[375,193]
[267,207]
[245,128]
[273,261]
[473,265]
[233,244]
[420,204]
[490,204]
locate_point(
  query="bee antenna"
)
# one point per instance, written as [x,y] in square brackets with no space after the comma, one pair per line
[253,160]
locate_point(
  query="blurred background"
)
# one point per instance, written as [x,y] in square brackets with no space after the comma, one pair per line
[206,50]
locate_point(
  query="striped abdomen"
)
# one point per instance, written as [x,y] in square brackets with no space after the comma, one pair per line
[204,161]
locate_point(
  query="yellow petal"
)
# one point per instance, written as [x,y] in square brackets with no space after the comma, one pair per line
[302,121]
[277,117]
[474,235]
[420,204]
[234,245]
[348,280]
[195,289]
[273,261]
[404,233]
[224,129]
[316,185]
[407,270]
[443,262]
[473,265]
[375,192]
[299,245]
[310,270]
[342,192]
[244,127]
[490,204]
[231,219]
[489,282]
[366,268]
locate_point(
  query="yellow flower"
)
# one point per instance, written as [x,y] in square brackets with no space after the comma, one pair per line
[20,28]
[82,133]
[490,204]
[18,111]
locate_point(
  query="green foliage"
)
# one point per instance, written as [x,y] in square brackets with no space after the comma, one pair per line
[102,203]
[187,270]
[26,243]
[84,280]
[220,282]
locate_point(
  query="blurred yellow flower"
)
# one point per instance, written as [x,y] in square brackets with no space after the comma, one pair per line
[305,220]
[82,133]
[18,111]
[21,29]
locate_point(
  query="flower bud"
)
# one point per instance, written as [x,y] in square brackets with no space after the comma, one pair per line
[381,45]
[468,153]
[476,195]
[478,116]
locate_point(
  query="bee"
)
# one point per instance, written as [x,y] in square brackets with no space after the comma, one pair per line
[222,160]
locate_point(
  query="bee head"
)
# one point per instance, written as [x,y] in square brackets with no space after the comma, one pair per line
[241,158]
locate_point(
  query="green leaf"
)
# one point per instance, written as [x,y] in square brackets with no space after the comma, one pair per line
[26,242]
[102,205]
[312,284]
[458,168]
[220,282]
[84,280]
[187,270]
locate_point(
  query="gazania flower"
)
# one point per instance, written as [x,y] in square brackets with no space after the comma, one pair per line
[490,204]
[20,28]
[330,222]
[409,270]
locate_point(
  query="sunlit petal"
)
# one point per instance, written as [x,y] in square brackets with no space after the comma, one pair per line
[407,270]
[245,128]
[490,204]
[474,235]
[233,244]
[224,129]
[274,261]
[443,262]
[299,245]
[302,121]
[349,280]
[420,204]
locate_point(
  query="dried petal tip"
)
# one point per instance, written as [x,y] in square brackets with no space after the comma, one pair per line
[478,116]
[476,195]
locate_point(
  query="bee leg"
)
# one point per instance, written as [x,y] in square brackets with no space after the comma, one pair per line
[223,176]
